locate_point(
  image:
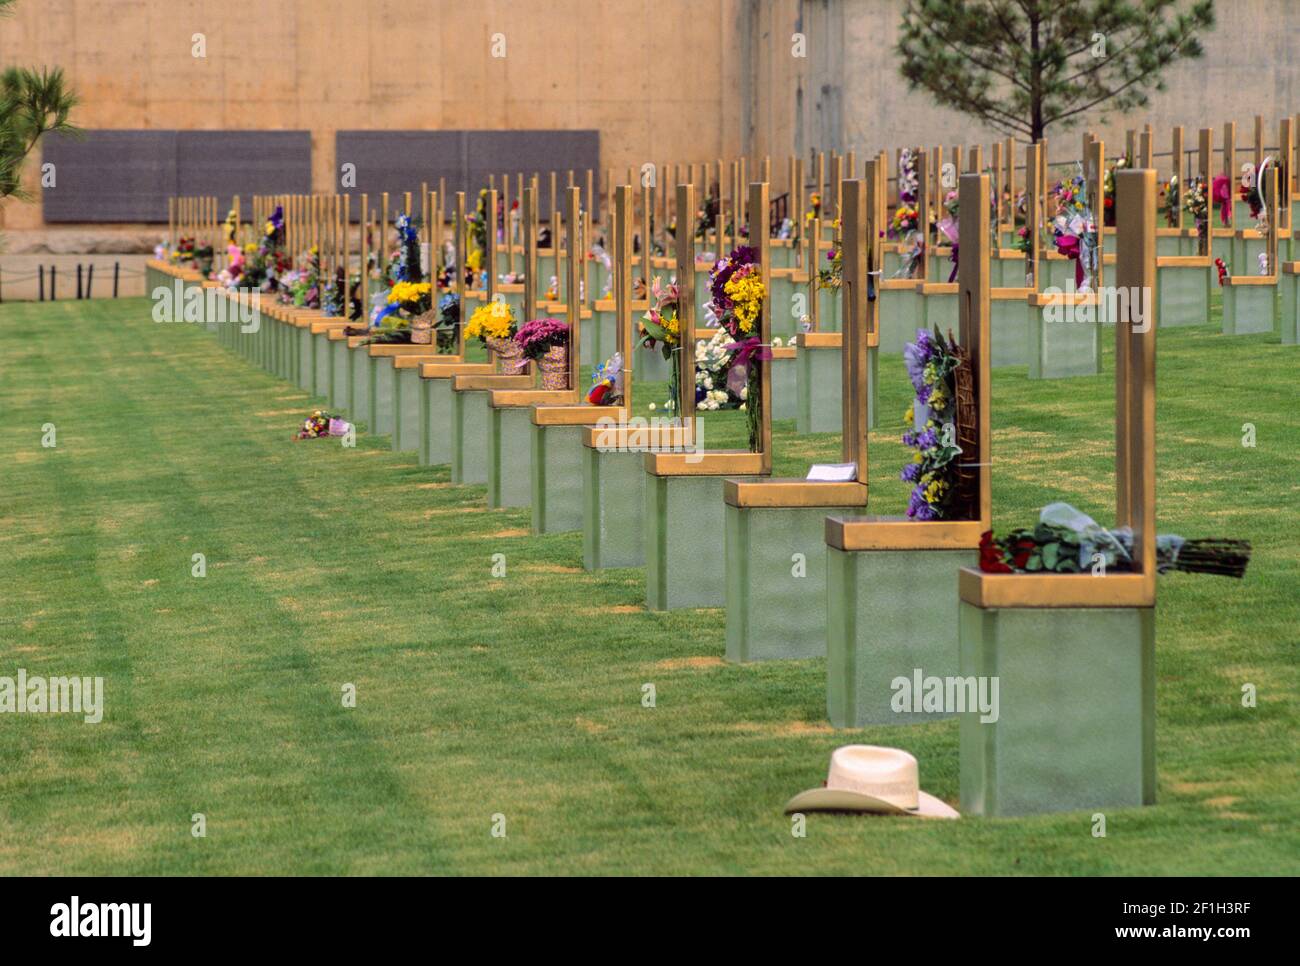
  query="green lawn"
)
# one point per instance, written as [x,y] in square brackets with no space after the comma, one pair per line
[522,696]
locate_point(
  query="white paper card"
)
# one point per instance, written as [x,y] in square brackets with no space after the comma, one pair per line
[833,472]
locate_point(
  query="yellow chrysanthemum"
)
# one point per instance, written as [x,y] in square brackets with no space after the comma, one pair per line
[408,291]
[746,293]
[492,320]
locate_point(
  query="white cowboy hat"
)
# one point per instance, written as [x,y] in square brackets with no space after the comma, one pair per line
[868,778]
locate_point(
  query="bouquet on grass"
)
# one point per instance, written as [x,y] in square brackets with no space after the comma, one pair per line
[932,362]
[737,290]
[320,424]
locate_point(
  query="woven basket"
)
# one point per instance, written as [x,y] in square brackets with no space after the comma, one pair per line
[509,355]
[555,367]
[422,329]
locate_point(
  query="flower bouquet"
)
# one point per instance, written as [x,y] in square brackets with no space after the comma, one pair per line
[404,265]
[448,322]
[949,228]
[1074,228]
[660,328]
[736,286]
[1108,189]
[320,424]
[905,225]
[302,286]
[831,275]
[332,295]
[493,324]
[184,252]
[932,363]
[714,361]
[1066,541]
[1197,204]
[547,342]
[814,206]
[1171,201]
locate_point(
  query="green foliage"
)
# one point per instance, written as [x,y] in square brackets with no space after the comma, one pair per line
[1021,66]
[33,102]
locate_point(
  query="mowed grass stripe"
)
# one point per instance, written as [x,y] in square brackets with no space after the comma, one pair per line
[523,696]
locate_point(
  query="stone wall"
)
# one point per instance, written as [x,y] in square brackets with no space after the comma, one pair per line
[661,80]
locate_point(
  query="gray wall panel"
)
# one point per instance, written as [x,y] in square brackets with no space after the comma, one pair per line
[535,152]
[244,163]
[110,176]
[117,176]
[398,161]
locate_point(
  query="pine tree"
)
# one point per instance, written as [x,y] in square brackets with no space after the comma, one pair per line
[1021,66]
[32,104]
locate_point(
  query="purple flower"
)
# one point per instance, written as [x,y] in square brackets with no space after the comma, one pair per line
[537,336]
[927,440]
[917,507]
[910,473]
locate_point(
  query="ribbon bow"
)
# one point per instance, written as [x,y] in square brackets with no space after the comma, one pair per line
[1223,198]
[747,351]
[1071,247]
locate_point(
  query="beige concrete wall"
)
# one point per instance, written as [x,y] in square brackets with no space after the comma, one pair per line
[657,78]
[662,80]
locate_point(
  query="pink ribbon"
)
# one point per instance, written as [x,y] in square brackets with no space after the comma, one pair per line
[751,349]
[1068,245]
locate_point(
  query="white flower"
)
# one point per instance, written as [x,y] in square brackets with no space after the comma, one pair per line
[652,407]
[742,407]
[776,342]
[744,393]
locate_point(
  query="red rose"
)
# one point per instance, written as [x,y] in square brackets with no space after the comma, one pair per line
[991,555]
